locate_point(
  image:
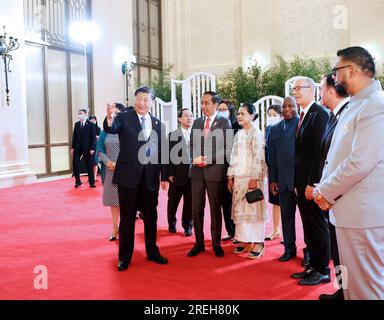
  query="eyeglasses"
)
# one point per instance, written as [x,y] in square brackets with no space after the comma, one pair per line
[334,70]
[298,88]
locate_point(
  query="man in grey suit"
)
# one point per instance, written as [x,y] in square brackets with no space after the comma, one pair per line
[281,171]
[209,146]
[352,184]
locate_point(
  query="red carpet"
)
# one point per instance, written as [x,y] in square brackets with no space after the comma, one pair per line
[66,229]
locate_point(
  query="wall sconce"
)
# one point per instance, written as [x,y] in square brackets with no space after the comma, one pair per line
[6,46]
[127,69]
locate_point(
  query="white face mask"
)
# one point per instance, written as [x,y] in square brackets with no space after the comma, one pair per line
[271,121]
[224,114]
[82,117]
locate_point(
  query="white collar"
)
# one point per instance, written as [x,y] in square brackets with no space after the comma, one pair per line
[188,131]
[145,116]
[212,117]
[338,107]
[306,109]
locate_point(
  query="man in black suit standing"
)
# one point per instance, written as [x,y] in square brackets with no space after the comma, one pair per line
[209,147]
[178,174]
[137,173]
[336,99]
[312,123]
[281,171]
[83,144]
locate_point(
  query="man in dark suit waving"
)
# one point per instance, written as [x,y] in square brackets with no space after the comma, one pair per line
[137,173]
[312,122]
[83,144]
[336,99]
[209,145]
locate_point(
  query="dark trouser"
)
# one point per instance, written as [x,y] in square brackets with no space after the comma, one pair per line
[316,233]
[88,162]
[288,201]
[128,199]
[227,211]
[175,193]
[214,190]
[334,250]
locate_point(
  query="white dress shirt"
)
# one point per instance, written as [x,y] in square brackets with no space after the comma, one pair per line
[337,109]
[148,124]
[306,109]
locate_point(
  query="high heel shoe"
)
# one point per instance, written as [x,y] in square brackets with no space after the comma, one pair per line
[245,247]
[113,237]
[274,235]
[255,254]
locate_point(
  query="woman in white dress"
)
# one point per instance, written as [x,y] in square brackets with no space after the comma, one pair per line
[246,172]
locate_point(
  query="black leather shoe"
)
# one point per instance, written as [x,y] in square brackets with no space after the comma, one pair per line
[196,250]
[315,278]
[172,229]
[338,295]
[158,259]
[227,237]
[219,252]
[78,184]
[122,265]
[92,185]
[287,256]
[302,275]
[188,232]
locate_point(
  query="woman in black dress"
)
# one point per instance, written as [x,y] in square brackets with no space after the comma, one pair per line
[274,116]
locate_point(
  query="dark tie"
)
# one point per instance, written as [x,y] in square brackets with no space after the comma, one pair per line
[300,123]
[331,122]
[332,118]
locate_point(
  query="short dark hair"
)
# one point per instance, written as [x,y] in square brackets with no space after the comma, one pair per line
[277,108]
[214,95]
[180,115]
[361,57]
[148,90]
[120,106]
[92,117]
[83,110]
[340,90]
[250,107]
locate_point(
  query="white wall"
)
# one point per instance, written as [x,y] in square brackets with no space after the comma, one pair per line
[115,21]
[218,35]
[14,169]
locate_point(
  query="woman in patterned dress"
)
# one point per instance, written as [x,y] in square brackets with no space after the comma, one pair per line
[108,149]
[247,171]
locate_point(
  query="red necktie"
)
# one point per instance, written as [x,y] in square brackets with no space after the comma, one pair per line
[206,129]
[300,123]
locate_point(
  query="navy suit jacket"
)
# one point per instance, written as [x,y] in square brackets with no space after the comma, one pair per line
[84,139]
[327,138]
[308,144]
[281,140]
[130,164]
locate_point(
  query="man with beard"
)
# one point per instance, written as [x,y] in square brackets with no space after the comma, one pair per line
[352,183]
